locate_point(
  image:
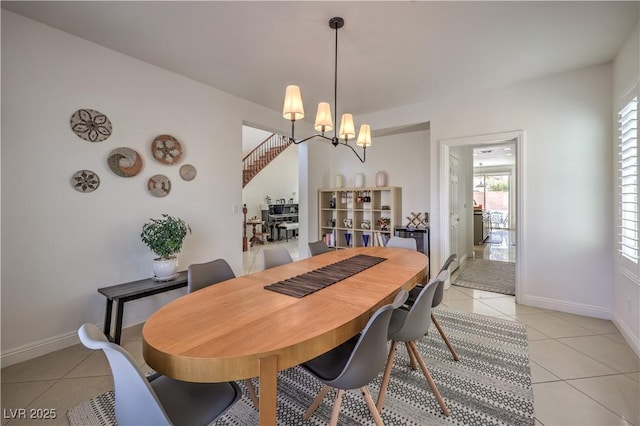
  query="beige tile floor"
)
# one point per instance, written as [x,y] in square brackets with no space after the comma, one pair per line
[582,370]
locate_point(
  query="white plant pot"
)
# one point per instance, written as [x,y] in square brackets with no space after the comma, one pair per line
[165,269]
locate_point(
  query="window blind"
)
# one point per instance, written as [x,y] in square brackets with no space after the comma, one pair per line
[628,180]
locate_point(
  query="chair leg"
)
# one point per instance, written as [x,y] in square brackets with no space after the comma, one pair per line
[412,358]
[316,402]
[335,413]
[427,375]
[386,376]
[444,337]
[372,407]
[252,394]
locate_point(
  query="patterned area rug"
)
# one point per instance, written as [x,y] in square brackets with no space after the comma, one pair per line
[490,385]
[489,275]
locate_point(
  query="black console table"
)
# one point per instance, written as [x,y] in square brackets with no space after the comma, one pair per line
[133,290]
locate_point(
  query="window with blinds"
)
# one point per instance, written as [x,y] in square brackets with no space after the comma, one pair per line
[628,179]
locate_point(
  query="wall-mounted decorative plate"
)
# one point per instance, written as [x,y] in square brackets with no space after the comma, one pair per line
[124,162]
[166,149]
[85,181]
[159,185]
[188,172]
[91,125]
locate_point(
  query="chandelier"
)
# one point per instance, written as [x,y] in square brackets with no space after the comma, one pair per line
[293,110]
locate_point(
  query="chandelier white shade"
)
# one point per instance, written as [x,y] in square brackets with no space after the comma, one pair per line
[364,136]
[324,123]
[293,110]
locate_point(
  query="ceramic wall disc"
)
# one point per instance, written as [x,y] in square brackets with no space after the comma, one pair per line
[124,162]
[159,185]
[85,181]
[166,149]
[188,172]
[91,125]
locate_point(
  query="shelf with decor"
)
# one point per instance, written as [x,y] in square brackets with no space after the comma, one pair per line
[358,217]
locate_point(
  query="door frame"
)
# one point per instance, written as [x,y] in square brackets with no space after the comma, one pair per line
[518,137]
[454,247]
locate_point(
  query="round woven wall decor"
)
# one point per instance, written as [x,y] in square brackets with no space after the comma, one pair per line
[124,162]
[90,125]
[166,149]
[85,181]
[188,172]
[159,185]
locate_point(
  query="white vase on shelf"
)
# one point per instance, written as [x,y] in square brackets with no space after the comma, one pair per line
[359,180]
[339,181]
[381,179]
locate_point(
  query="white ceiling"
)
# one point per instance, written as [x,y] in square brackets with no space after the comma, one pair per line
[494,155]
[390,53]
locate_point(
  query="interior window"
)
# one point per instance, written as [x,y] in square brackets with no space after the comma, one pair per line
[628,180]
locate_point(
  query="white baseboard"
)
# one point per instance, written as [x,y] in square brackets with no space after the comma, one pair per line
[45,346]
[587,310]
[632,340]
[39,348]
[564,306]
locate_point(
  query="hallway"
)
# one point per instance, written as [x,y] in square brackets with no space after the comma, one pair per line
[504,250]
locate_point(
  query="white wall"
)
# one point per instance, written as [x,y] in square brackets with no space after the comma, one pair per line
[277,180]
[465,188]
[626,287]
[566,181]
[566,252]
[404,157]
[58,245]
[251,138]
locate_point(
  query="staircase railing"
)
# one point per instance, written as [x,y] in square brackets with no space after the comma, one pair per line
[262,155]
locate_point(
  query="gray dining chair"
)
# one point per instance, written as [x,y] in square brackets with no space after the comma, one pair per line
[401,242]
[408,326]
[437,299]
[276,256]
[319,247]
[201,275]
[355,363]
[158,400]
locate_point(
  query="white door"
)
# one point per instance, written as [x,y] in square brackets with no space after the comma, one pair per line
[454,211]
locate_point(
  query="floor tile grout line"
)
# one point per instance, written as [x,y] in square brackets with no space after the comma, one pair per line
[585,354]
[55,382]
[598,402]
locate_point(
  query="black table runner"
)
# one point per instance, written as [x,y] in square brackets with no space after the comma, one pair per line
[310,282]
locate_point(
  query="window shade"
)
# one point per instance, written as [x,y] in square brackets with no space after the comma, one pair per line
[628,180]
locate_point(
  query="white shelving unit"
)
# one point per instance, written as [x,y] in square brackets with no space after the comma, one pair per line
[344,213]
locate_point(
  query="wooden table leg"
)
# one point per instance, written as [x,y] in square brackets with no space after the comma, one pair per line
[268,390]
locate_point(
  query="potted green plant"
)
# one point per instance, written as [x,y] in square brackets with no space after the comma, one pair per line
[165,237]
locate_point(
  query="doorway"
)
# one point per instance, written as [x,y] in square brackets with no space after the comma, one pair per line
[510,208]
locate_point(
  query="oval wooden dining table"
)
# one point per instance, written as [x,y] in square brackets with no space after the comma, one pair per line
[237,329]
